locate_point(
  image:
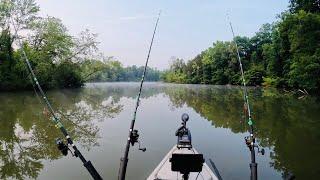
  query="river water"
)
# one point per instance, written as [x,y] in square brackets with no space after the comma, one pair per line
[98,117]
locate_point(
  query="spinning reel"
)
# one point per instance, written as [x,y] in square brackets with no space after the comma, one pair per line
[134,138]
[63,148]
[250,142]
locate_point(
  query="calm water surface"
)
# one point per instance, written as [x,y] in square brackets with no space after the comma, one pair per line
[98,117]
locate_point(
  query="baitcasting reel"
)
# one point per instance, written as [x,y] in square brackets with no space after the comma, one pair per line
[134,138]
[250,140]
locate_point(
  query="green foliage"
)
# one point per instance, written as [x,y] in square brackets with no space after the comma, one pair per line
[67,75]
[213,66]
[58,59]
[254,76]
[53,53]
[270,82]
[51,40]
[19,12]
[301,47]
[283,54]
[12,74]
[174,77]
[176,73]
[304,72]
[306,5]
[112,70]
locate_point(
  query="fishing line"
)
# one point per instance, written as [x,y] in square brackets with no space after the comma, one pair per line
[245,91]
[133,134]
[58,111]
[88,165]
[250,140]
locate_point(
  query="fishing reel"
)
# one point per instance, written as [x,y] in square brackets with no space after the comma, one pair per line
[250,142]
[184,134]
[134,138]
[63,148]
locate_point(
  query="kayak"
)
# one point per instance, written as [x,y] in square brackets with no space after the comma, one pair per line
[163,170]
[183,162]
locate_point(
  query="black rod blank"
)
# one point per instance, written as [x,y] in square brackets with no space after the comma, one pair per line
[124,159]
[87,164]
[253,164]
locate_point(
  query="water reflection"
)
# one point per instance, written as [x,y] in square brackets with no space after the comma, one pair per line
[27,136]
[286,125]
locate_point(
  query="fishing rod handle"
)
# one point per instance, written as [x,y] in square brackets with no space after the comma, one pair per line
[254,171]
[123,169]
[93,172]
[124,160]
[87,164]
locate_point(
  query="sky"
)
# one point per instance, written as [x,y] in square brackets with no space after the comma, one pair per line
[185,29]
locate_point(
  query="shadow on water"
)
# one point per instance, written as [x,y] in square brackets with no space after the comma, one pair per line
[286,125]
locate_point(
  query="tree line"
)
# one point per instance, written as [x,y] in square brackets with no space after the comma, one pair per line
[59,59]
[112,71]
[284,54]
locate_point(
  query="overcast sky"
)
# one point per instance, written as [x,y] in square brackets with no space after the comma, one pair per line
[185,29]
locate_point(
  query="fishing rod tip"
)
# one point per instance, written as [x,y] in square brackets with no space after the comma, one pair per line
[228,16]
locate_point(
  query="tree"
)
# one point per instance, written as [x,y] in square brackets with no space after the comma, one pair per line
[67,75]
[51,50]
[17,15]
[300,44]
[6,57]
[282,54]
[312,6]
[85,46]
[263,36]
[50,38]
[113,70]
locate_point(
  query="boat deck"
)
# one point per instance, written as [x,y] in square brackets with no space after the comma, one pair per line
[163,170]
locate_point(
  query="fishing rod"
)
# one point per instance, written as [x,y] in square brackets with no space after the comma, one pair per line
[64,148]
[249,140]
[133,134]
